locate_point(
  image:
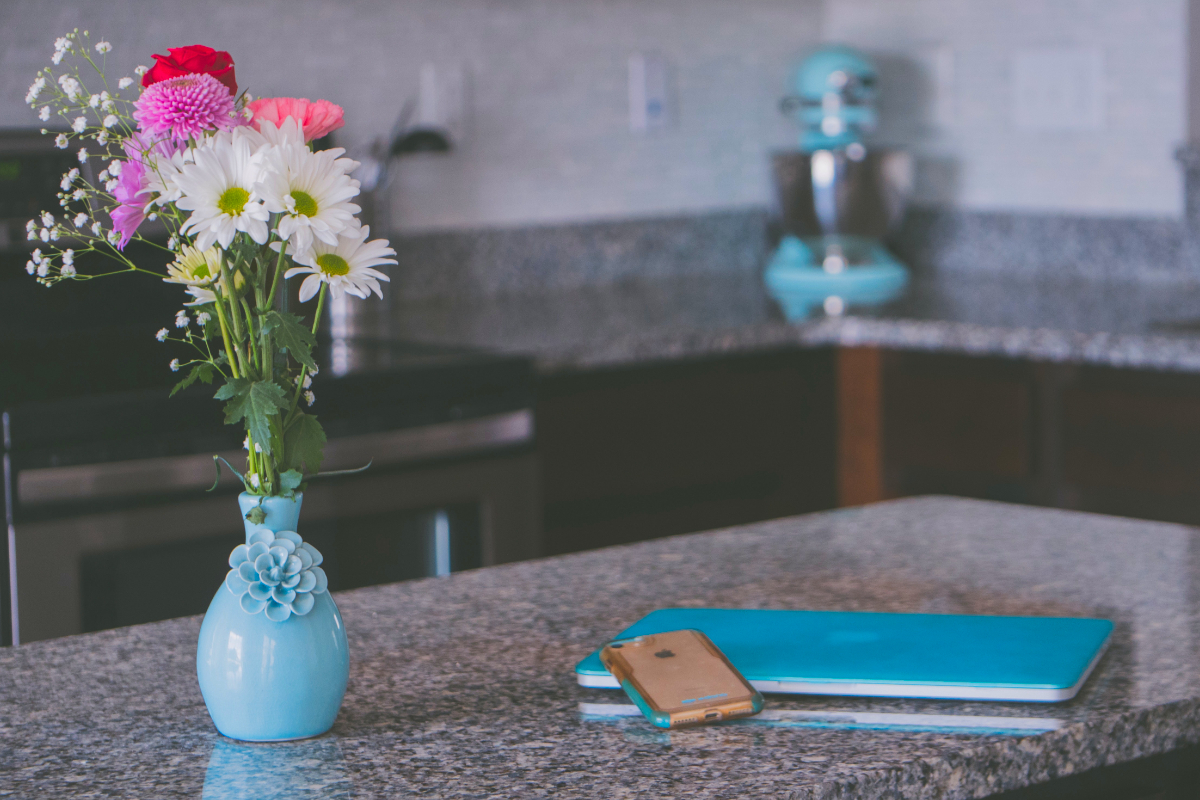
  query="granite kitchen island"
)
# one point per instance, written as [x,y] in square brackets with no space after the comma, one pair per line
[463,686]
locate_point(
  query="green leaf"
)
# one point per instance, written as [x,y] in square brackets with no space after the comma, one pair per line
[290,481]
[289,333]
[255,402]
[304,444]
[202,372]
[256,515]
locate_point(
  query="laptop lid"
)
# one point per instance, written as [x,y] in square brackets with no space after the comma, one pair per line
[952,656]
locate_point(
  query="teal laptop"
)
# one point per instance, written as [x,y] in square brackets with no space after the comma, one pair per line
[950,656]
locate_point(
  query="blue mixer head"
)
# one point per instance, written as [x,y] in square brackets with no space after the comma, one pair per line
[833,98]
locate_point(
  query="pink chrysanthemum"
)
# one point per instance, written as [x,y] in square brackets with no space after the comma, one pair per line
[185,107]
[131,209]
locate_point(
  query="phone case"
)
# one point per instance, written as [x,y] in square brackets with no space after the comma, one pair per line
[680,678]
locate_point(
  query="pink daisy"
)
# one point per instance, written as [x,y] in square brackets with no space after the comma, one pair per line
[316,118]
[185,107]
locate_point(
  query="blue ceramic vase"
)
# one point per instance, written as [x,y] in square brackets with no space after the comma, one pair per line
[272,659]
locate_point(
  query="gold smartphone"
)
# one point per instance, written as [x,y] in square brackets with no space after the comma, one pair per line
[680,678]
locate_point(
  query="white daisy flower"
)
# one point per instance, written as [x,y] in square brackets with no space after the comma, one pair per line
[174,365]
[80,219]
[62,43]
[103,47]
[43,269]
[140,71]
[162,334]
[346,266]
[83,154]
[124,83]
[102,137]
[31,236]
[181,319]
[94,101]
[103,176]
[61,141]
[30,226]
[110,185]
[310,398]
[115,167]
[96,228]
[161,173]
[44,234]
[110,120]
[47,218]
[44,114]
[68,257]
[54,234]
[195,267]
[106,102]
[219,188]
[67,270]
[79,125]
[309,190]
[203,318]
[78,194]
[57,58]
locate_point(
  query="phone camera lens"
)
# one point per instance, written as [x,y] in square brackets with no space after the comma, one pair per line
[616,646]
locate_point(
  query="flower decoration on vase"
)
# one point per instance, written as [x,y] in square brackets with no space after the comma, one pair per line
[276,573]
[241,203]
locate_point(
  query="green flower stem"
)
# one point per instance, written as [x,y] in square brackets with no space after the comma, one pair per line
[251,350]
[275,281]
[304,370]
[231,291]
[225,336]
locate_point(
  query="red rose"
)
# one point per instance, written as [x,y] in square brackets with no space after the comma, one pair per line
[194,58]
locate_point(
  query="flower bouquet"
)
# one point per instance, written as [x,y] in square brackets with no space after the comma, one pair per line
[246,205]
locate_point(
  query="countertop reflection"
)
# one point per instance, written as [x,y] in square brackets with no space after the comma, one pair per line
[463,686]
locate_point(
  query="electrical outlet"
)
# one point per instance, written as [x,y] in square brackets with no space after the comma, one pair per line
[1058,89]
[647,92]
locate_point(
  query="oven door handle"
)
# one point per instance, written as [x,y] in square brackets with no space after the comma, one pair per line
[181,473]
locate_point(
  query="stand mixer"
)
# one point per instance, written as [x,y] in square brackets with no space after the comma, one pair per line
[837,196]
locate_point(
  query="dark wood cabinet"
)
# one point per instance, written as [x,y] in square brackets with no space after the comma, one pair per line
[637,453]
[1114,441]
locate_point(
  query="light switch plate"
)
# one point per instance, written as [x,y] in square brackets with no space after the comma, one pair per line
[1058,89]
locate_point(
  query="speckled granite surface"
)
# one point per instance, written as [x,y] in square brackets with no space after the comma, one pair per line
[1146,323]
[462,687]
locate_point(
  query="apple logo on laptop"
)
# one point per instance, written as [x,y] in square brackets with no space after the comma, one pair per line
[664,654]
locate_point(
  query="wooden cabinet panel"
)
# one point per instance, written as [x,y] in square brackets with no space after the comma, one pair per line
[959,425]
[631,454]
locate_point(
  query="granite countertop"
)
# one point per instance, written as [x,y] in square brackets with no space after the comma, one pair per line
[1151,322]
[463,686]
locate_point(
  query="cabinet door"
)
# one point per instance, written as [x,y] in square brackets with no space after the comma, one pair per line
[1131,444]
[632,454]
[959,425]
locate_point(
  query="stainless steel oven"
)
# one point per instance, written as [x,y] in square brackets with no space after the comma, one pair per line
[109,523]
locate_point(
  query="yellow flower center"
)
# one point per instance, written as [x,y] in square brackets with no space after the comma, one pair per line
[305,204]
[233,200]
[333,264]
